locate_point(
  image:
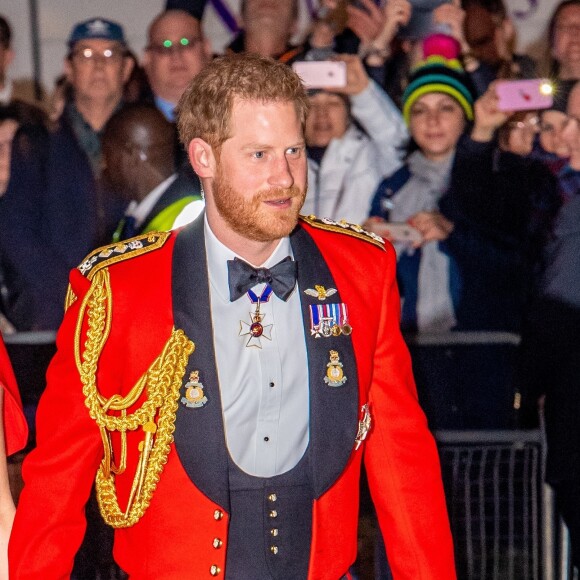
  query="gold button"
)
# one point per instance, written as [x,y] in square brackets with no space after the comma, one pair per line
[217,543]
[274,549]
[273,514]
[274,531]
[215,570]
[272,497]
[218,515]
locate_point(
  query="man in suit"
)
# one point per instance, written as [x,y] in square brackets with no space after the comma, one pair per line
[176,51]
[226,408]
[53,211]
[139,165]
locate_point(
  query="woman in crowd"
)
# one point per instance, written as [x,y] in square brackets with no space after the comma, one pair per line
[550,361]
[509,200]
[563,32]
[437,105]
[354,136]
[481,216]
[518,134]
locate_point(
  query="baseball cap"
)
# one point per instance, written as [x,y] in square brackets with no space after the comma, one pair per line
[96,28]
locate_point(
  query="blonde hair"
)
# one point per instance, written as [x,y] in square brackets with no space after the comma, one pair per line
[205,107]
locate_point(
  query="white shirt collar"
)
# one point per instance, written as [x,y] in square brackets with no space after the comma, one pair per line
[218,255]
[142,209]
[6,92]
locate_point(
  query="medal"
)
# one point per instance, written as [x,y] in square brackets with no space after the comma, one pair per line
[329,320]
[255,329]
[334,374]
[194,395]
[364,426]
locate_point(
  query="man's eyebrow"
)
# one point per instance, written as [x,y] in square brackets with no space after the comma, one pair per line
[257,146]
[263,146]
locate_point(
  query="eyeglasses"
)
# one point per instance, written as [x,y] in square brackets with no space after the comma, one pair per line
[532,124]
[168,47]
[90,55]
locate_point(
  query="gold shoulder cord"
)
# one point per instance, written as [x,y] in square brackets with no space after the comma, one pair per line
[162,382]
[344,227]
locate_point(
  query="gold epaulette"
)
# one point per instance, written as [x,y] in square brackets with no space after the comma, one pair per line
[344,227]
[131,248]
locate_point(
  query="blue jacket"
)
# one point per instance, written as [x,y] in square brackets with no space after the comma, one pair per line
[51,216]
[501,208]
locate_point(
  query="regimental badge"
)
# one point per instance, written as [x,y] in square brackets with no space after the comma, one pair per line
[329,320]
[320,292]
[364,426]
[194,395]
[335,376]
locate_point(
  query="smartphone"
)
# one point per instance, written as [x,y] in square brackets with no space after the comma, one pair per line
[322,74]
[525,95]
[398,232]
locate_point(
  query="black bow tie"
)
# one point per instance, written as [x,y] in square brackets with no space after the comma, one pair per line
[281,277]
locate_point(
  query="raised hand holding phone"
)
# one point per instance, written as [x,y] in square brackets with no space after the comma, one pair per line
[487,115]
[524,95]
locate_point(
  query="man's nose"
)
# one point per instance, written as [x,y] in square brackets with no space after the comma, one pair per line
[281,175]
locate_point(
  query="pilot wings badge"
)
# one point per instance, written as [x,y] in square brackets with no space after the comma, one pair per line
[320,292]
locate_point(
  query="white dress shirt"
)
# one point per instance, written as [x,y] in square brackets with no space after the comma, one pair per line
[264,391]
[6,91]
[140,210]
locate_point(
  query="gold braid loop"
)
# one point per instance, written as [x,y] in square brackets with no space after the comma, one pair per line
[161,382]
[70,298]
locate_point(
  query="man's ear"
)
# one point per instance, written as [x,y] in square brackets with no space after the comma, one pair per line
[146,60]
[128,64]
[202,158]
[68,70]
[8,58]
[207,51]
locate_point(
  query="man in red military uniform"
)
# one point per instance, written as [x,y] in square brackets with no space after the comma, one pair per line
[225,382]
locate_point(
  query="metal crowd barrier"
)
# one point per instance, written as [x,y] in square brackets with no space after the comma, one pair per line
[500,510]
[37,338]
[502,514]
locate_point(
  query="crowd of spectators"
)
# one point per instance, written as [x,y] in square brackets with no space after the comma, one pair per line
[481,204]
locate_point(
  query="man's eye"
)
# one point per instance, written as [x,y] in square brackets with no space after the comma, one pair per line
[258,154]
[293,151]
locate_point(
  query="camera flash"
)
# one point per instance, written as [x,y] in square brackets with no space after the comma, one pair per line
[546,88]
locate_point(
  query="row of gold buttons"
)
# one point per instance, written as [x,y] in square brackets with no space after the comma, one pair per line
[214,569]
[273,514]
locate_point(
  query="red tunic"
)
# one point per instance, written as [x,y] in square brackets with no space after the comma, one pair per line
[183,533]
[15,427]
